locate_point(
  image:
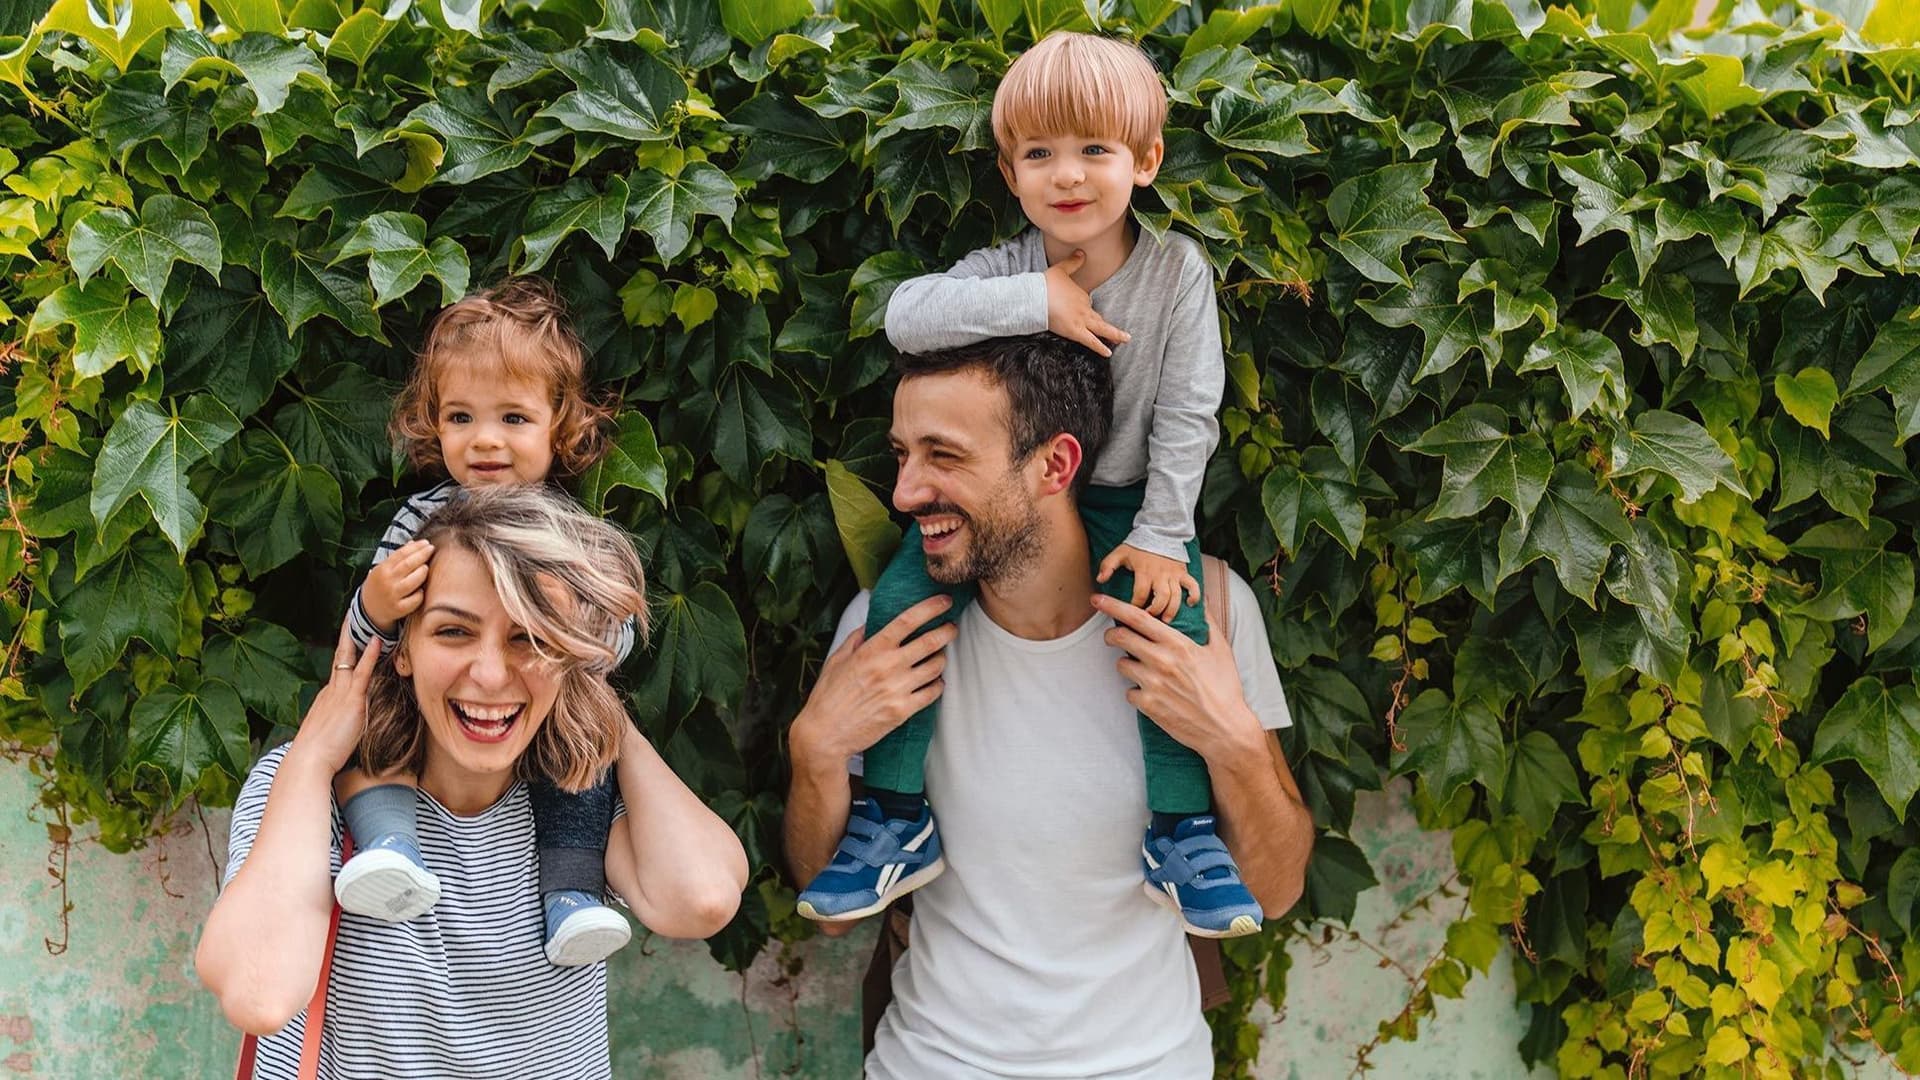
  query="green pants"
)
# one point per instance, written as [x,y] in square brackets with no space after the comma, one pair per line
[1176,776]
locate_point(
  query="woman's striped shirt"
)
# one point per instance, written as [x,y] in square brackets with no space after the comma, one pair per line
[462,991]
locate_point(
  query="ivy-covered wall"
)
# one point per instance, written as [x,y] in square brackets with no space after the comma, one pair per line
[1573,376]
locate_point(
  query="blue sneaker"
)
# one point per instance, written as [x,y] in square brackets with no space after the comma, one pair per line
[879,859]
[1193,875]
[387,880]
[581,930]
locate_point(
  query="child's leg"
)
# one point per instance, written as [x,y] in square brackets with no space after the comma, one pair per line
[387,878]
[1177,784]
[570,829]
[896,765]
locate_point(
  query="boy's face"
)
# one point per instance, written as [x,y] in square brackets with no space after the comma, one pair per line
[494,430]
[1077,189]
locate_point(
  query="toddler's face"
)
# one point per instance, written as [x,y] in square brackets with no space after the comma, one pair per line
[1077,188]
[494,430]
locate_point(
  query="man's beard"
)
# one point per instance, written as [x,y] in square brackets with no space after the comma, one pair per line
[1001,543]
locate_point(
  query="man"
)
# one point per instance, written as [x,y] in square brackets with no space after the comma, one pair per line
[1035,952]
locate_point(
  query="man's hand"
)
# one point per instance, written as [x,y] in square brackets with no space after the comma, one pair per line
[1159,583]
[1070,310]
[395,588]
[868,687]
[1192,691]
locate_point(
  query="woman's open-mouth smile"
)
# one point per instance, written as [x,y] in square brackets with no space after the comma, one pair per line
[486,723]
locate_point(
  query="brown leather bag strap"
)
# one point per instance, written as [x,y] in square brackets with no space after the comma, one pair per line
[316,1008]
[1207,962]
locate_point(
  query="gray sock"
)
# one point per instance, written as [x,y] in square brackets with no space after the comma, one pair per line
[386,809]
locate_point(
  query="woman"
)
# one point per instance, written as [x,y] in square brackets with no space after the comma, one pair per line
[499,676]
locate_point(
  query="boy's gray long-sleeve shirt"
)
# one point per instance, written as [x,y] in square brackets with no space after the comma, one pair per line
[1167,381]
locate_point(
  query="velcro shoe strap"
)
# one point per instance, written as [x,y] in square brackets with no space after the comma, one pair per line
[879,847]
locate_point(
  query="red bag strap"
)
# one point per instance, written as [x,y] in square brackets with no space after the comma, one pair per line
[316,1009]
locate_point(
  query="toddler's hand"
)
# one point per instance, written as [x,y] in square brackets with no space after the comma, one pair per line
[1159,583]
[395,588]
[1070,310]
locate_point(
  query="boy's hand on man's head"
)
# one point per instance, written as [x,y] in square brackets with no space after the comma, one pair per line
[396,587]
[1159,583]
[1070,311]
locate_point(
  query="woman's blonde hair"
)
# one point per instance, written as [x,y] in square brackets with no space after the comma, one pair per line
[1081,84]
[570,580]
[520,328]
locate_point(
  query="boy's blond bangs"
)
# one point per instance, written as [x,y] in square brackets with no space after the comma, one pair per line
[1081,84]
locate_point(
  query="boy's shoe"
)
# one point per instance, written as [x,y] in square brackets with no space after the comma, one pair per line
[581,930]
[879,860]
[1193,874]
[387,880]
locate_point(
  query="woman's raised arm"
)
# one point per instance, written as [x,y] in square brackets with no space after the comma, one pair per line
[261,949]
[677,864]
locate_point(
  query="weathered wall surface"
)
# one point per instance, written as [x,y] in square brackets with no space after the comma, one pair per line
[121,1001]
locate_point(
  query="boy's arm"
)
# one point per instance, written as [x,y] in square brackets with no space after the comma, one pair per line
[1193,377]
[988,294]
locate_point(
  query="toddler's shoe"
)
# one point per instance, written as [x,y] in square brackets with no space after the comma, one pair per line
[387,880]
[1193,874]
[581,930]
[879,859]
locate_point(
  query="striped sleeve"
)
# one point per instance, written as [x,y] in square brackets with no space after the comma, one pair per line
[400,531]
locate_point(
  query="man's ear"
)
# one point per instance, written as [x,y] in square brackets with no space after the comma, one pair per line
[1147,166]
[1061,460]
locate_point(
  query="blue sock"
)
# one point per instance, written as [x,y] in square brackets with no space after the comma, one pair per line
[382,810]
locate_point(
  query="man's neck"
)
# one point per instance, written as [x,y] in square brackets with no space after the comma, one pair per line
[1053,596]
[1106,253]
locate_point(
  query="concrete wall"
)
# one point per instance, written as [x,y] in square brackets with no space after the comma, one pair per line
[121,1001]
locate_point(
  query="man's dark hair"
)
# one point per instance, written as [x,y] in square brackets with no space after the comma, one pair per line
[1053,385]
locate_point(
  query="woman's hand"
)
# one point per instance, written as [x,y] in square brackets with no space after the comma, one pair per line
[1192,691]
[331,730]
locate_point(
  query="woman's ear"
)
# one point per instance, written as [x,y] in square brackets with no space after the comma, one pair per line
[402,663]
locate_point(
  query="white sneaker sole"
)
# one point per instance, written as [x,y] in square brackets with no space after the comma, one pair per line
[1241,926]
[587,937]
[385,885]
[905,885]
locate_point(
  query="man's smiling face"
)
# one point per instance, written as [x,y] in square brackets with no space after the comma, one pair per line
[974,504]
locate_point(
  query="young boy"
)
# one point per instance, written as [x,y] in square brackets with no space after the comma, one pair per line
[1078,121]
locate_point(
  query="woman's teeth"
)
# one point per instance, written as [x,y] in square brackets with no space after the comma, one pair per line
[487,719]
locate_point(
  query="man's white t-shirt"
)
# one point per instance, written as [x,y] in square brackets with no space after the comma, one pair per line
[1037,953]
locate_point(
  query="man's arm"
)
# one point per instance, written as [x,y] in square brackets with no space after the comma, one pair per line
[1195,694]
[866,689]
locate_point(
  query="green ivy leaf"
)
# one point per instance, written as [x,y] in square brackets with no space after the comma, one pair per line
[1318,492]
[1336,876]
[1859,576]
[1892,363]
[1452,326]
[867,532]
[1588,362]
[784,139]
[276,505]
[1840,469]
[872,286]
[1879,727]
[753,21]
[632,461]
[931,98]
[265,664]
[1450,743]
[1484,463]
[1384,361]
[148,452]
[1342,413]
[482,137]
[618,91]
[909,166]
[398,258]
[185,730]
[699,654]
[1541,779]
[268,62]
[789,542]
[1378,214]
[170,230]
[134,593]
[1676,447]
[301,286]
[759,417]
[1574,527]
[1882,220]
[574,206]
[1264,124]
[230,341]
[1608,189]
[1453,553]
[120,40]
[664,207]
[136,110]
[1808,397]
[1664,303]
[108,326]
[338,421]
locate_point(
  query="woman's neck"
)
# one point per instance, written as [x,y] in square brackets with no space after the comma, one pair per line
[462,791]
